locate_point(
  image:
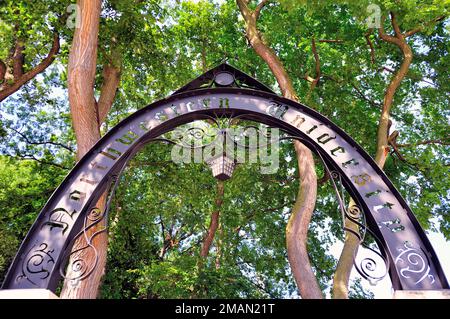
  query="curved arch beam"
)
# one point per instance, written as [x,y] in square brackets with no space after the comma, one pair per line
[414,264]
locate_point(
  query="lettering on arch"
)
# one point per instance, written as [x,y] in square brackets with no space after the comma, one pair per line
[386,212]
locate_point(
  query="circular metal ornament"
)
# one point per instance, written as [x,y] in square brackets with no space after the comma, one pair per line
[224,79]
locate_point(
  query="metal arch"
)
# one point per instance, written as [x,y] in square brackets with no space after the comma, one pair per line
[413,260]
[368,266]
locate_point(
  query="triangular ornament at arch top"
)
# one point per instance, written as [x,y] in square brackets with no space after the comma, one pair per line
[240,80]
[225,90]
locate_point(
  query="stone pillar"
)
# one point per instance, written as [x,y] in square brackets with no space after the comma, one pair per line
[422,294]
[27,294]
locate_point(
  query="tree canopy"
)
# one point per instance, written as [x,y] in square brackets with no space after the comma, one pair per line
[161,211]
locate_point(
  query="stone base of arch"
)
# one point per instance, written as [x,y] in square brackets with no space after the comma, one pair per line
[27,294]
[422,294]
[47,294]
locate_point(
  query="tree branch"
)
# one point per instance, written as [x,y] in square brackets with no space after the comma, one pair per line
[384,36]
[2,71]
[372,49]
[392,140]
[45,63]
[258,9]
[317,67]
[438,141]
[409,76]
[111,81]
[330,41]
[18,59]
[34,158]
[323,179]
[245,10]
[394,23]
[214,223]
[163,235]
[263,288]
[28,141]
[361,94]
[419,29]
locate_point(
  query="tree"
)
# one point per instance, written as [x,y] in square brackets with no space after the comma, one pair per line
[22,29]
[385,140]
[161,213]
[297,228]
[88,113]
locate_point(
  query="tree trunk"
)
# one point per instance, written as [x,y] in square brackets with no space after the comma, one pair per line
[112,72]
[297,228]
[18,59]
[351,244]
[91,255]
[3,69]
[86,124]
[345,263]
[81,77]
[214,224]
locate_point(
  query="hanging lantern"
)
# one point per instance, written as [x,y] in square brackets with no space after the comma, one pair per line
[222,166]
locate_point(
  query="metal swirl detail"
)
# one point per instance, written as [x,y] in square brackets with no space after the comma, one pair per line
[76,262]
[411,262]
[368,267]
[38,264]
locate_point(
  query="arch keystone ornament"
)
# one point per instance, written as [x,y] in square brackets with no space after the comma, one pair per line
[226,92]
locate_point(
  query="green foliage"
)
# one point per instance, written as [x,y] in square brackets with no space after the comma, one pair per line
[34,23]
[24,189]
[358,292]
[161,210]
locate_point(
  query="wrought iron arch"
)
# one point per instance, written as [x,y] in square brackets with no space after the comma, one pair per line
[414,264]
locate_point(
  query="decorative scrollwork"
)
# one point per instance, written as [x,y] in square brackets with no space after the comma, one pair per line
[222,131]
[95,214]
[411,262]
[335,175]
[37,264]
[354,211]
[192,137]
[368,267]
[79,267]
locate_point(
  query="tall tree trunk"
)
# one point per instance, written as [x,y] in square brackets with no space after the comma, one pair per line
[345,264]
[297,228]
[351,244]
[209,238]
[87,117]
[3,70]
[111,74]
[18,59]
[81,77]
